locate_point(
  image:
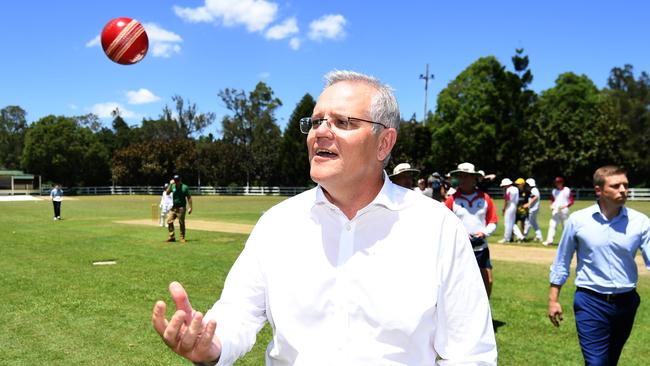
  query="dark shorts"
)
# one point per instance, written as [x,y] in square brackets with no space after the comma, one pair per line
[483,258]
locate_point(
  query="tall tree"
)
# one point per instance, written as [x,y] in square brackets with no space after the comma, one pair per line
[219,163]
[631,98]
[413,146]
[60,150]
[523,107]
[154,162]
[294,159]
[187,119]
[474,120]
[12,136]
[577,129]
[253,127]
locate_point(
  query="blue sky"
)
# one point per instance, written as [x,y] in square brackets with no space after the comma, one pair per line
[52,64]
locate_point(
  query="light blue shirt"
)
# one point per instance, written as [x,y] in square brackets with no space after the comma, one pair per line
[605,249]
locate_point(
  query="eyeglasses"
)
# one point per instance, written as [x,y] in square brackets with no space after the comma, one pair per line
[334,124]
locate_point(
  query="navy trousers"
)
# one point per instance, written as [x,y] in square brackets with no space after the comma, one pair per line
[603,326]
[57,208]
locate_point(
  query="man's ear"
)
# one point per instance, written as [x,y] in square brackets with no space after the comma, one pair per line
[387,139]
[598,190]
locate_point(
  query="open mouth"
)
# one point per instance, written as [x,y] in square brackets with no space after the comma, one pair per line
[324,153]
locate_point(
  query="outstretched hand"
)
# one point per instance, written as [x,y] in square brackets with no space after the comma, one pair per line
[186,333]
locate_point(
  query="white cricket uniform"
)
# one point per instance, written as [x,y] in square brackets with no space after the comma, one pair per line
[533,211]
[166,203]
[559,213]
[510,214]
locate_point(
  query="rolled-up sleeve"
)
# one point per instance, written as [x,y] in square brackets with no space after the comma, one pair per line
[560,268]
[645,243]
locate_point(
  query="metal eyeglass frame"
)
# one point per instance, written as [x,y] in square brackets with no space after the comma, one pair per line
[307,123]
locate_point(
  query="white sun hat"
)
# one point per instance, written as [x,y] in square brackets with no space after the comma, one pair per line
[403,168]
[467,168]
[505,182]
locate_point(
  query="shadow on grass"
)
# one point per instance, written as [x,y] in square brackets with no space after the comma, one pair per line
[496,324]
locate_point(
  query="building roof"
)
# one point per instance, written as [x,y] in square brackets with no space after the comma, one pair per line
[17,174]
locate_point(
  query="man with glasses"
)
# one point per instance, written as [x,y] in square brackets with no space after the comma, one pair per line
[357,271]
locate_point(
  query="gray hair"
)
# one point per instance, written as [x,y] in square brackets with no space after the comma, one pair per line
[383,107]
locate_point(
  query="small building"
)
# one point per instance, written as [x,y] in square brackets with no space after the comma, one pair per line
[13,182]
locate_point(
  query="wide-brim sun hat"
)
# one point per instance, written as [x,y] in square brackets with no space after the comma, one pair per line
[531,182]
[505,182]
[520,181]
[403,168]
[467,168]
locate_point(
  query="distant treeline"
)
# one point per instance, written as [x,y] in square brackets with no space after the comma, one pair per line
[487,115]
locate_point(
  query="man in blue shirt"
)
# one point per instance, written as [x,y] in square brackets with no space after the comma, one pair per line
[606,237]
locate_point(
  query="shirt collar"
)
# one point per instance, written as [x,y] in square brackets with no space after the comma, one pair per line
[388,197]
[595,209]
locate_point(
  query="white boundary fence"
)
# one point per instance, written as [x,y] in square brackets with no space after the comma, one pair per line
[636,194]
[157,190]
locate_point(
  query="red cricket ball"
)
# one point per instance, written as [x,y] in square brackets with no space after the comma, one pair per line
[125,41]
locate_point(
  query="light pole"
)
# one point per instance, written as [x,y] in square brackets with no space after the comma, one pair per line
[426,76]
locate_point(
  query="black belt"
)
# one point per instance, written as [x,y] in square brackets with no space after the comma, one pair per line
[611,298]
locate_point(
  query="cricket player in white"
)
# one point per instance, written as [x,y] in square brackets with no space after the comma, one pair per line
[510,212]
[166,204]
[561,200]
[533,211]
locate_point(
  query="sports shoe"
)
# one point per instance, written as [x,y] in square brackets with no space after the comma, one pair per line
[546,243]
[55,219]
[502,241]
[170,240]
[183,240]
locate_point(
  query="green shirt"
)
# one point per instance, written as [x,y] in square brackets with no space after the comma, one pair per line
[180,195]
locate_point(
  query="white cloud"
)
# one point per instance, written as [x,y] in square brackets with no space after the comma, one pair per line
[94,42]
[255,15]
[164,50]
[327,27]
[264,75]
[196,15]
[162,43]
[294,43]
[73,106]
[104,110]
[283,30]
[141,96]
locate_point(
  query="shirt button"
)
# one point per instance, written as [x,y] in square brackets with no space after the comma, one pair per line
[348,226]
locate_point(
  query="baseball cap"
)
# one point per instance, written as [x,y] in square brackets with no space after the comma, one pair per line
[177,177]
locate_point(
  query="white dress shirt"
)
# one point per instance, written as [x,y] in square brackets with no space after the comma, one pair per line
[396,285]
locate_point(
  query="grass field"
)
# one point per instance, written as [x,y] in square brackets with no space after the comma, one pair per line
[59,309]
